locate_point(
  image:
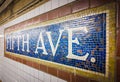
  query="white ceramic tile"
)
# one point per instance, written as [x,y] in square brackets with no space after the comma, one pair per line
[40,81]
[53,78]
[36,11]
[41,75]
[22,80]
[32,71]
[27,77]
[61,80]
[36,73]
[48,6]
[31,79]
[27,69]
[46,77]
[42,8]
[62,2]
[70,1]
[36,80]
[54,3]
[15,80]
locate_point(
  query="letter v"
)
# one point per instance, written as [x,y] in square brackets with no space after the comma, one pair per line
[51,43]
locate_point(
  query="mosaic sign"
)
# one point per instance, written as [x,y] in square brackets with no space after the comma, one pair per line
[79,43]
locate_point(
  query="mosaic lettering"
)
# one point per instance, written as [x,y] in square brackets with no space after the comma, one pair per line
[79,43]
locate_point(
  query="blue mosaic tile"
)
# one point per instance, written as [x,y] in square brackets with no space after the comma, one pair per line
[65,42]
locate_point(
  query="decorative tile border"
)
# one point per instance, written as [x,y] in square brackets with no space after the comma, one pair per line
[107,11]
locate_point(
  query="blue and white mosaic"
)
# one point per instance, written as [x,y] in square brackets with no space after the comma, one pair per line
[78,43]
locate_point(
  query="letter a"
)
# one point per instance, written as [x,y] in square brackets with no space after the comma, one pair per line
[43,46]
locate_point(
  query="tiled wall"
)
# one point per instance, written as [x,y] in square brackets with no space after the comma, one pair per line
[16,72]
[13,71]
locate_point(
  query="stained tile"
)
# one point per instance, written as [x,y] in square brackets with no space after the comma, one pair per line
[52,71]
[93,81]
[24,61]
[29,63]
[81,79]
[17,59]
[29,22]
[80,5]
[118,45]
[73,78]
[36,20]
[43,68]
[119,14]
[64,75]
[65,10]
[44,17]
[20,60]
[53,14]
[118,70]
[36,65]
[95,3]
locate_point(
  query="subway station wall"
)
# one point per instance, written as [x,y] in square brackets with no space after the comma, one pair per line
[73,43]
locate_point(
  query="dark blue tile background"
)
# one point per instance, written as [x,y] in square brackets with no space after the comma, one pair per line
[92,42]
